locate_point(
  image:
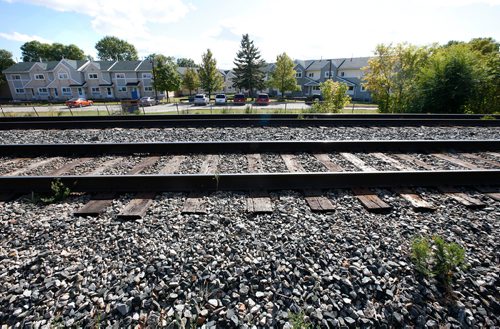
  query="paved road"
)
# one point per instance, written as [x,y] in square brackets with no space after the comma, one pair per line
[172,107]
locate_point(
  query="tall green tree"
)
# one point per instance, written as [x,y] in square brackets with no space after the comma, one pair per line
[210,78]
[5,62]
[392,74]
[111,48]
[448,84]
[33,51]
[191,80]
[283,76]
[166,77]
[186,62]
[249,70]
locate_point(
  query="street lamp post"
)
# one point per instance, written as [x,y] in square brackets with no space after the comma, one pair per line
[152,61]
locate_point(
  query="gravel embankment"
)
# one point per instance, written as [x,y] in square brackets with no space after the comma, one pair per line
[229,269]
[119,135]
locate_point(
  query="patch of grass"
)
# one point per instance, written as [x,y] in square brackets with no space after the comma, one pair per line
[298,321]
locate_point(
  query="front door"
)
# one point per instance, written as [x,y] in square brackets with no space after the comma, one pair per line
[109,92]
[81,92]
[134,93]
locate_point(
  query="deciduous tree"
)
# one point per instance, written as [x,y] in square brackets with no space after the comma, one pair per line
[210,77]
[5,62]
[166,77]
[283,76]
[191,80]
[34,51]
[249,70]
[111,48]
[186,62]
[334,97]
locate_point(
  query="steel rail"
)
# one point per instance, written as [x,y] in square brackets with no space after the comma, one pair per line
[167,121]
[248,182]
[34,150]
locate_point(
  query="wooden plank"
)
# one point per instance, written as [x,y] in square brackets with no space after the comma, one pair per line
[106,165]
[96,205]
[357,161]
[172,165]
[259,202]
[317,202]
[292,163]
[472,156]
[491,192]
[138,206]
[456,161]
[194,204]
[393,162]
[414,199]
[325,160]
[69,166]
[371,201]
[254,163]
[32,166]
[414,160]
[461,197]
[209,166]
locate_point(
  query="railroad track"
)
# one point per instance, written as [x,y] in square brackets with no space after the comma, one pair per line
[247,120]
[309,166]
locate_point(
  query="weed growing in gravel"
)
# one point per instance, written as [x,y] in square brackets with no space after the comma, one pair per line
[298,321]
[438,258]
[59,192]
[488,117]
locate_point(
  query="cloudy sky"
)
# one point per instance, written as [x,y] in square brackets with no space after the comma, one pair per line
[302,29]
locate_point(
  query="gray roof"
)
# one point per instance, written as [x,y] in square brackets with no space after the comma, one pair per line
[146,65]
[125,66]
[318,65]
[104,65]
[19,67]
[49,66]
[351,63]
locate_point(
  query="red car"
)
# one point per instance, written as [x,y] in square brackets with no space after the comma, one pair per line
[78,102]
[239,99]
[262,99]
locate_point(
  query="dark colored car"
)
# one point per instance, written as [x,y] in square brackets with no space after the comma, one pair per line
[148,101]
[239,99]
[313,98]
[262,99]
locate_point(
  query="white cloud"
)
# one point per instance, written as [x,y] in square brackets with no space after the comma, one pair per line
[16,36]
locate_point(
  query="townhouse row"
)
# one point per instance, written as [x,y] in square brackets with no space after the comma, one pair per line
[101,80]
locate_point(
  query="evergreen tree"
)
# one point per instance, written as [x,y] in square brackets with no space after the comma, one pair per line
[249,70]
[210,77]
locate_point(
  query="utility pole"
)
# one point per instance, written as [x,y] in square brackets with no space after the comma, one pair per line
[152,61]
[330,73]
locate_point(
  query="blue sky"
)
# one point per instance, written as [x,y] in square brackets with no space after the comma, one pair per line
[302,29]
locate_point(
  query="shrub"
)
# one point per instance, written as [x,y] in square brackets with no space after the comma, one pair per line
[334,97]
[437,258]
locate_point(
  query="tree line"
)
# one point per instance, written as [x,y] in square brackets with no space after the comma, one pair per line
[458,77]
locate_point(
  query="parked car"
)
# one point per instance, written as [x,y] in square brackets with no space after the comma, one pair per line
[201,99]
[314,98]
[78,102]
[220,99]
[148,101]
[262,99]
[239,99]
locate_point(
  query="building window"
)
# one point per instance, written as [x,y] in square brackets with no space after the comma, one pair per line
[316,88]
[328,74]
[63,76]
[92,75]
[66,91]
[39,77]
[122,88]
[42,91]
[298,74]
[19,91]
[342,74]
[95,90]
[120,75]
[351,88]
[363,88]
[147,75]
[149,88]
[15,77]
[310,74]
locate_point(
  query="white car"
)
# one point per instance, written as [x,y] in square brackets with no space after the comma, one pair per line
[201,99]
[220,99]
